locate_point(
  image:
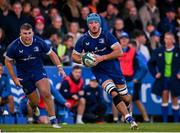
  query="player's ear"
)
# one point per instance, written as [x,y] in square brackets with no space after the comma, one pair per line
[20,33]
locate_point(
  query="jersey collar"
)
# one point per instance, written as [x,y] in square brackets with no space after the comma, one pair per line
[95,36]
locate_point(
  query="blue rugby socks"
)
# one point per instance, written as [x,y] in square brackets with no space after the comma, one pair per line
[175,111]
[164,110]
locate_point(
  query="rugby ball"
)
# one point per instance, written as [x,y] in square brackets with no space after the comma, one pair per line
[88,59]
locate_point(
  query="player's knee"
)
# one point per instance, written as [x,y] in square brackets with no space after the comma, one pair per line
[117,99]
[46,94]
[111,88]
[123,91]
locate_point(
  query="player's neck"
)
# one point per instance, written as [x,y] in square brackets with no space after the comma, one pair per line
[24,43]
[96,35]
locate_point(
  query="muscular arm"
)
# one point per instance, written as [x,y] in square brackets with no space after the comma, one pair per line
[9,65]
[54,58]
[117,51]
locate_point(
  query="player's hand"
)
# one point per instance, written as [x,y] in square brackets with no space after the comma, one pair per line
[81,93]
[178,75]
[17,81]
[98,59]
[75,97]
[158,75]
[61,72]
[67,104]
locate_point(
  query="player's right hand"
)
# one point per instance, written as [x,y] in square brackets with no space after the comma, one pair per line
[98,59]
[17,81]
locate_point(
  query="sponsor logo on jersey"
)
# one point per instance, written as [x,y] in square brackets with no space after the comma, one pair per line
[101,40]
[36,49]
[87,43]
[21,51]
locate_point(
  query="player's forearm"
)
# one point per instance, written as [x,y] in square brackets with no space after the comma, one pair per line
[54,58]
[76,58]
[10,68]
[113,55]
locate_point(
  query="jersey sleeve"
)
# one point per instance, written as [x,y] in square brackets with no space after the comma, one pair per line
[45,47]
[79,46]
[10,52]
[111,40]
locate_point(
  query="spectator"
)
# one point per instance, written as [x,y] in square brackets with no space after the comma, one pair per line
[56,25]
[74,31]
[14,20]
[71,11]
[82,21]
[53,41]
[154,41]
[93,5]
[140,74]
[39,26]
[110,16]
[72,91]
[133,21]
[65,49]
[118,27]
[168,23]
[127,7]
[5,91]
[53,12]
[165,68]
[95,107]
[26,8]
[35,11]
[45,5]
[141,41]
[149,13]
[4,10]
[149,28]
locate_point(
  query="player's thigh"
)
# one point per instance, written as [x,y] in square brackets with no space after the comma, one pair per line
[165,96]
[43,86]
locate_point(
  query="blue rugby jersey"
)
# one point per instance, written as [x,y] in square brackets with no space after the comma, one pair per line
[28,58]
[101,45]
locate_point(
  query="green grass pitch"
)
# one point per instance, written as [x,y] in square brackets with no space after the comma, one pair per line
[143,127]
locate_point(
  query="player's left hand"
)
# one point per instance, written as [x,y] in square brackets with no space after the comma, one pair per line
[98,59]
[61,72]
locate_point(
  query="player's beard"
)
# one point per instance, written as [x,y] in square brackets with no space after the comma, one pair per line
[27,41]
[94,32]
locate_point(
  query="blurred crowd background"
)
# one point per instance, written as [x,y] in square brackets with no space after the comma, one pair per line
[61,23]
